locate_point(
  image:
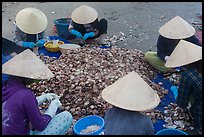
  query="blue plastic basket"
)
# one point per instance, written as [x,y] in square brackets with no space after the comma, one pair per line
[82,124]
[62,25]
[171,132]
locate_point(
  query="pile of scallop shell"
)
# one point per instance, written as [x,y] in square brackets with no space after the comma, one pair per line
[115,39]
[81,75]
[154,114]
[161,91]
[176,117]
[173,116]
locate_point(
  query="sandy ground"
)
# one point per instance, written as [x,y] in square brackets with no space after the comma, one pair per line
[139,21]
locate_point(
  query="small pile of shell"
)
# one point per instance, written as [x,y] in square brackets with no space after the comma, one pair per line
[176,117]
[90,129]
[161,91]
[174,78]
[113,40]
[154,114]
[47,59]
[173,115]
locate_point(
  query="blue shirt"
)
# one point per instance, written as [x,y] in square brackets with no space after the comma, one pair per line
[123,122]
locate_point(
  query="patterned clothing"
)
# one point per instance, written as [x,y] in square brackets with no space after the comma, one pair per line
[191,84]
[20,37]
[58,125]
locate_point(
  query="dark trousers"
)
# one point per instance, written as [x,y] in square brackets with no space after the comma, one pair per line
[102,27]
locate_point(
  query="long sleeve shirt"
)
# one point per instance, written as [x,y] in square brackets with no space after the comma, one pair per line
[191,84]
[85,28]
[123,122]
[20,109]
[21,37]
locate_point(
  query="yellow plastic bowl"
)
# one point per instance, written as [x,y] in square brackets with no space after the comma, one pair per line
[53,47]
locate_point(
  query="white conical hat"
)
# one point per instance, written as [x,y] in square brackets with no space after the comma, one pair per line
[131,92]
[84,15]
[28,65]
[184,53]
[31,20]
[177,28]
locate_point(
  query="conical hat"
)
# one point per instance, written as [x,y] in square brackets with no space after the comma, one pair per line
[177,28]
[184,53]
[28,65]
[31,20]
[84,15]
[131,92]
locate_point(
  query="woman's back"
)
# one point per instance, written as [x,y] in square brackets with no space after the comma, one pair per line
[123,122]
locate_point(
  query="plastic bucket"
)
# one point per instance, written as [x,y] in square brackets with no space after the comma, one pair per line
[62,25]
[83,123]
[171,132]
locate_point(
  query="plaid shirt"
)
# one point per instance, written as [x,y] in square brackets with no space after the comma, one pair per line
[191,84]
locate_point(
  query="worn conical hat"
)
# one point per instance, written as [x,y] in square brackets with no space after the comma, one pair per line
[177,28]
[84,15]
[31,20]
[28,65]
[131,92]
[184,53]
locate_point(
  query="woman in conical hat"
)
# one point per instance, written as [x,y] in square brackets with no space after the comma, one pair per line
[85,24]
[9,49]
[30,28]
[189,56]
[129,95]
[19,105]
[170,34]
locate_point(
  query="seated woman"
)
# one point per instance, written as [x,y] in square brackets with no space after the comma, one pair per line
[170,34]
[20,111]
[9,50]
[189,55]
[129,96]
[85,24]
[30,28]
